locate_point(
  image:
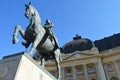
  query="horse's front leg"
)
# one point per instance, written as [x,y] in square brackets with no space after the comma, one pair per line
[17,29]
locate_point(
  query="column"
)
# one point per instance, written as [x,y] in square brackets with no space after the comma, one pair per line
[63,73]
[116,68]
[97,71]
[74,73]
[101,70]
[86,77]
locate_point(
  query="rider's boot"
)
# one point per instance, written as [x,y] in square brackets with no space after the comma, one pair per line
[26,44]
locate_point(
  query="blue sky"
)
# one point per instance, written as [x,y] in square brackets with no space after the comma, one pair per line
[93,19]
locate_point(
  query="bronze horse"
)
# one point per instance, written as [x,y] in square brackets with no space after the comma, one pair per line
[43,40]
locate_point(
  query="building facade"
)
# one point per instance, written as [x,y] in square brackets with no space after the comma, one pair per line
[84,59]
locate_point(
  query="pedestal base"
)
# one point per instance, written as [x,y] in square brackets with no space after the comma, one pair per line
[22,67]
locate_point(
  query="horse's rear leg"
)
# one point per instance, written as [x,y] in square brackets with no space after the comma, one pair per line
[57,60]
[42,59]
[17,29]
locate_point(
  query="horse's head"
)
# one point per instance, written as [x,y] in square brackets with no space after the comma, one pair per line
[29,11]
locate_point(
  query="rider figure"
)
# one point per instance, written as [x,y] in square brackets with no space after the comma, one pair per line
[48,27]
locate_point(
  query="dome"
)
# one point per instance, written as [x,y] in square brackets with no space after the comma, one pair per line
[78,44]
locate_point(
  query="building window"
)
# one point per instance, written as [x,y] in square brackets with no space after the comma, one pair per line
[91,68]
[109,66]
[68,71]
[114,78]
[79,70]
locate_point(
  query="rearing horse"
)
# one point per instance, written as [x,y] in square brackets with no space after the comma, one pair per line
[39,37]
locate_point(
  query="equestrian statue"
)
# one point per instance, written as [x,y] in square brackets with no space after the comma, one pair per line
[41,37]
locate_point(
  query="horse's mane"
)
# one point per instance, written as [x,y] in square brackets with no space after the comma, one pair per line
[36,13]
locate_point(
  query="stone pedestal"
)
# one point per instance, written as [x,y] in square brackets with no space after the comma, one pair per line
[22,67]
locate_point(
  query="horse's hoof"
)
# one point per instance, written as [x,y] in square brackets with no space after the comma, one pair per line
[25,44]
[15,40]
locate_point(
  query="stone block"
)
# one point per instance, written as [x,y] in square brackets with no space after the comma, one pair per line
[22,67]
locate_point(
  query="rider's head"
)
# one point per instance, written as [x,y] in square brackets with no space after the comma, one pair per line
[48,21]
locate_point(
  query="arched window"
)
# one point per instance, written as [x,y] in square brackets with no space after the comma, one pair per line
[114,78]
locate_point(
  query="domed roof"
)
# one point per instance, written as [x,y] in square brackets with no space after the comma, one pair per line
[78,44]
